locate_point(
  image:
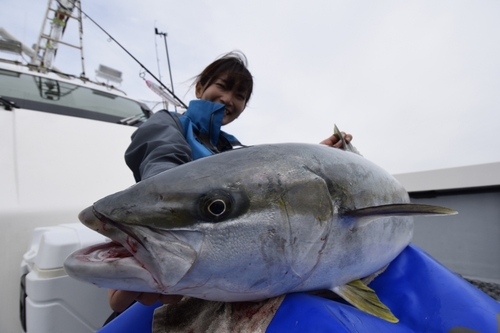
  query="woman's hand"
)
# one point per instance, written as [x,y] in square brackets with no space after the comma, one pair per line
[120,300]
[335,142]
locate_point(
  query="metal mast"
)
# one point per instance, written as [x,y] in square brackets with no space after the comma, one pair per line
[164,34]
[54,24]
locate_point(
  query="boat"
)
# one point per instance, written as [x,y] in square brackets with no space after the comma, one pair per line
[62,140]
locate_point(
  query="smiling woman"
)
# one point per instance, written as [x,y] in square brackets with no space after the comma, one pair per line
[223,91]
[169,140]
[226,82]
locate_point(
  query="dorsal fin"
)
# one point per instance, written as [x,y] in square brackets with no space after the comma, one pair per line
[345,146]
[360,217]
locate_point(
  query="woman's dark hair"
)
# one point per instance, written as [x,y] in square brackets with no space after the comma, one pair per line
[234,66]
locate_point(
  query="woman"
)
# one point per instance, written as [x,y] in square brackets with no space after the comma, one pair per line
[166,140]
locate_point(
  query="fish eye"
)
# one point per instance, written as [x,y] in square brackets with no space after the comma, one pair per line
[215,205]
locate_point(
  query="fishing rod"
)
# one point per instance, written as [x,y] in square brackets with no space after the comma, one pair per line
[143,67]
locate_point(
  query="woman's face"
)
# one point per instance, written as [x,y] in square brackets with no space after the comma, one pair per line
[218,92]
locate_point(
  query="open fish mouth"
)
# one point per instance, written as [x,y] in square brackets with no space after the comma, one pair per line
[106,252]
[129,258]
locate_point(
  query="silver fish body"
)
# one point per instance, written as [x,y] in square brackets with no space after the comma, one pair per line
[249,224]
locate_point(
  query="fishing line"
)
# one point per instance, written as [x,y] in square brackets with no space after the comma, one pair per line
[124,49]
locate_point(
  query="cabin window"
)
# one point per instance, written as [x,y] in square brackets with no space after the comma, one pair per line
[49,95]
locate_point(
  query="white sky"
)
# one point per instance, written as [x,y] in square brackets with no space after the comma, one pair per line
[416,82]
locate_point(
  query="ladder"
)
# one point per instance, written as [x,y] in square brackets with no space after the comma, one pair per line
[54,24]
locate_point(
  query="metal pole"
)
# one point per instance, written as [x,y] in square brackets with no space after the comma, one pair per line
[164,102]
[169,70]
[80,23]
[168,61]
[164,34]
[157,59]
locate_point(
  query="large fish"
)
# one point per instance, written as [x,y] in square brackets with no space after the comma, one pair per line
[251,224]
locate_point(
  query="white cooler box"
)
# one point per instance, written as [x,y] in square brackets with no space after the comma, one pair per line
[51,301]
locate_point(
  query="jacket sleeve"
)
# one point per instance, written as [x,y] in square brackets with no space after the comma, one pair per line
[156,146]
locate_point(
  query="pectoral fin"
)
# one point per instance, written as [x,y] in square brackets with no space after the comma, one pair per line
[365,299]
[365,215]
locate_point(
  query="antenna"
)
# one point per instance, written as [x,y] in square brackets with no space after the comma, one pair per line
[157,59]
[165,103]
[164,34]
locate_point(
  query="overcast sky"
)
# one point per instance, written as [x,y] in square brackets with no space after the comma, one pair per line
[416,82]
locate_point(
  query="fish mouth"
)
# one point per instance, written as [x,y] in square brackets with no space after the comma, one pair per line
[106,252]
[137,258]
[119,226]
